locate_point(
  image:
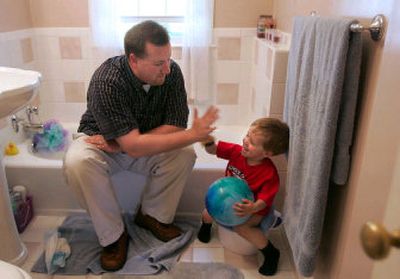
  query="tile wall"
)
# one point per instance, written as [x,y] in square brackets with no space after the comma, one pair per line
[246,70]
[268,78]
[66,60]
[232,67]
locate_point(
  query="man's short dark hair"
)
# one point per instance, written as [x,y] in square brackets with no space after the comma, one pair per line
[146,31]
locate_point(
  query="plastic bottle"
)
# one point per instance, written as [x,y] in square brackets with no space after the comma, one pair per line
[16,201]
[261,26]
[13,204]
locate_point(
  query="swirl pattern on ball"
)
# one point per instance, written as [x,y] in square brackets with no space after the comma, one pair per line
[222,195]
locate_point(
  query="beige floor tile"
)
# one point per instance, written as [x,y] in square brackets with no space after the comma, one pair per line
[39,226]
[206,255]
[240,261]
[187,256]
[252,274]
[283,275]
[46,221]
[41,276]
[285,240]
[35,249]
[69,277]
[285,262]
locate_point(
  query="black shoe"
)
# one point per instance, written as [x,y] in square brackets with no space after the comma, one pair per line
[204,234]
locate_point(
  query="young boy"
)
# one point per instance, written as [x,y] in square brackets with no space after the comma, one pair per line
[266,137]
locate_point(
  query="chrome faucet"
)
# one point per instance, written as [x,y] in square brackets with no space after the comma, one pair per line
[29,126]
[29,111]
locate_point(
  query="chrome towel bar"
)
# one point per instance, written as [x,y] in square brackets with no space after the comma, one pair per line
[376,27]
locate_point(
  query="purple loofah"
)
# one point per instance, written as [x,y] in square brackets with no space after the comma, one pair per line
[53,138]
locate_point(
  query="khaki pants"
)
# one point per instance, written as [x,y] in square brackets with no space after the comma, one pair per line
[88,171]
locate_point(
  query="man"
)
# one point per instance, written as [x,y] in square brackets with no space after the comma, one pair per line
[136,120]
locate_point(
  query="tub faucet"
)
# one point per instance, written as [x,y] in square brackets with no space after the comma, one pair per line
[29,125]
[29,111]
[33,126]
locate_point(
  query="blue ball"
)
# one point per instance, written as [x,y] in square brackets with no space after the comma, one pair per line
[222,195]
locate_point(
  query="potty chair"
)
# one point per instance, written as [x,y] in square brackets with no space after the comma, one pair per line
[237,244]
[10,271]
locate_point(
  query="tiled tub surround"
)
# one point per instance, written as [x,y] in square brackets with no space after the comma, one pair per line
[16,49]
[268,78]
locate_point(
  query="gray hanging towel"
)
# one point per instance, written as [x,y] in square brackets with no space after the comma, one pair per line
[320,102]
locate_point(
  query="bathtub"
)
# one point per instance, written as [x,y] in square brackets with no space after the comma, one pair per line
[41,174]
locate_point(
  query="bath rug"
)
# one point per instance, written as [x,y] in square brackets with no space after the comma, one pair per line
[146,255]
[185,270]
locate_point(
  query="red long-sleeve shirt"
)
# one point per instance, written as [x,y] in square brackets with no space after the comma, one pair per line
[263,179]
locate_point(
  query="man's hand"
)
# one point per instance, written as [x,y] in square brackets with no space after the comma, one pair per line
[202,126]
[110,146]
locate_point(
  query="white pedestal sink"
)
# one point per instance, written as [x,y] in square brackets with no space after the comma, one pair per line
[17,89]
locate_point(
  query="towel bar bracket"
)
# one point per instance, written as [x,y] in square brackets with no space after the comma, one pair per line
[376,28]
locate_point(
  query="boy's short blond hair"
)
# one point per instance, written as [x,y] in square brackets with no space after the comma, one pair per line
[275,133]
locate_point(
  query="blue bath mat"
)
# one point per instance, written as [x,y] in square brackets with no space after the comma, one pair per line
[146,255]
